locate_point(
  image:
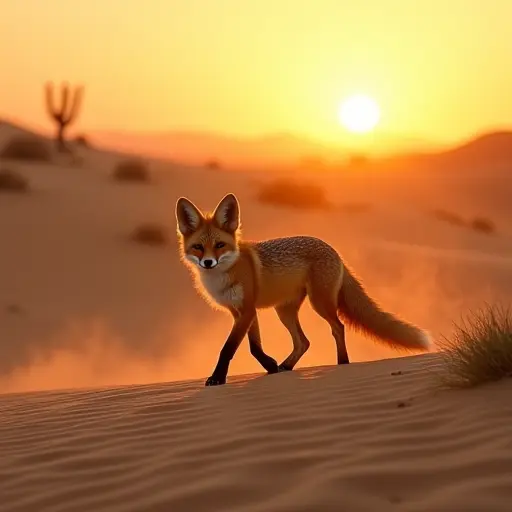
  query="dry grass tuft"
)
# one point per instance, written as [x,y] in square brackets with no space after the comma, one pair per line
[132,171]
[28,148]
[483,225]
[293,194]
[13,182]
[480,349]
[150,234]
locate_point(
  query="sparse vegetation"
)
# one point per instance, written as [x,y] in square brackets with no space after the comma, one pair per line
[213,165]
[480,224]
[449,217]
[293,194]
[483,225]
[28,148]
[67,113]
[480,349]
[150,234]
[83,141]
[11,181]
[132,170]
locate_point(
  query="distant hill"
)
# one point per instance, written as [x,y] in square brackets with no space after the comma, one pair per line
[493,149]
[489,148]
[265,152]
[10,129]
[233,152]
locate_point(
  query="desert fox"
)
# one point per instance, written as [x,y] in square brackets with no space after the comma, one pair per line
[243,276]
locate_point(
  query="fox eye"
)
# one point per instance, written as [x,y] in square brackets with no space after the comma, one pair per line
[197,247]
[219,245]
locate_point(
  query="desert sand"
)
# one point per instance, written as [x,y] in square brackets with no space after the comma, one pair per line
[105,347]
[369,436]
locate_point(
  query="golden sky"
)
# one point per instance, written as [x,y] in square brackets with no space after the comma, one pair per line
[440,69]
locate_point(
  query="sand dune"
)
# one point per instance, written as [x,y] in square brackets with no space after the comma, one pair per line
[369,436]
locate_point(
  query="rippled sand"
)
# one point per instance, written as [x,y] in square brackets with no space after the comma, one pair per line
[369,436]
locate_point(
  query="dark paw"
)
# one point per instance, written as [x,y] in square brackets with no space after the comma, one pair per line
[283,368]
[215,381]
[271,366]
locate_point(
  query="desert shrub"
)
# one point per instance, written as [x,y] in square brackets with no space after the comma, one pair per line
[12,182]
[26,147]
[83,141]
[480,350]
[150,234]
[132,170]
[293,194]
[449,217]
[480,224]
[483,225]
[213,165]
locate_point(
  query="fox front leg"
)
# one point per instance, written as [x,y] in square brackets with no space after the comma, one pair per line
[239,330]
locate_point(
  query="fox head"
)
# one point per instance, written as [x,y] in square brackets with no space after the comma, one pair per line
[209,241]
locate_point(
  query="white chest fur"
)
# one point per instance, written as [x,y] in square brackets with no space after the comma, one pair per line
[220,289]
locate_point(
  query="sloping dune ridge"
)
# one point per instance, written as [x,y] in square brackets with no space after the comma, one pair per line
[368,436]
[105,346]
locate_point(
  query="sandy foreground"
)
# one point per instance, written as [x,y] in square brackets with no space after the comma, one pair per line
[369,436]
[84,308]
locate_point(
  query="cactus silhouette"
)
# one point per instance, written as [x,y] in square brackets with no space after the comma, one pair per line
[68,111]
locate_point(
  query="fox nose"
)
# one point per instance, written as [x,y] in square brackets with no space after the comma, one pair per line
[208,263]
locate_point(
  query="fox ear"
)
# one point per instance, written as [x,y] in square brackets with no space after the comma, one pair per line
[188,216]
[227,213]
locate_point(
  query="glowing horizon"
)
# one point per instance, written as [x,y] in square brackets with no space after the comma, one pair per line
[438,69]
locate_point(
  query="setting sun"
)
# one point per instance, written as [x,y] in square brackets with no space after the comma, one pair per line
[359,114]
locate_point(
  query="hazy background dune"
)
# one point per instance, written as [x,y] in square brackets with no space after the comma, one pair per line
[84,305]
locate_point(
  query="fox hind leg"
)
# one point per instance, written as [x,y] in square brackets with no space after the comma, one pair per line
[327,309]
[269,363]
[288,313]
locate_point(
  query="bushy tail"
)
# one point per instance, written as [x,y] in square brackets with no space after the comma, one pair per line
[362,313]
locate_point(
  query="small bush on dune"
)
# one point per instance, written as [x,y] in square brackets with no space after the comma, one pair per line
[25,147]
[293,194]
[150,234]
[483,225]
[480,349]
[133,170]
[12,182]
[449,217]
[480,224]
[213,165]
[83,141]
